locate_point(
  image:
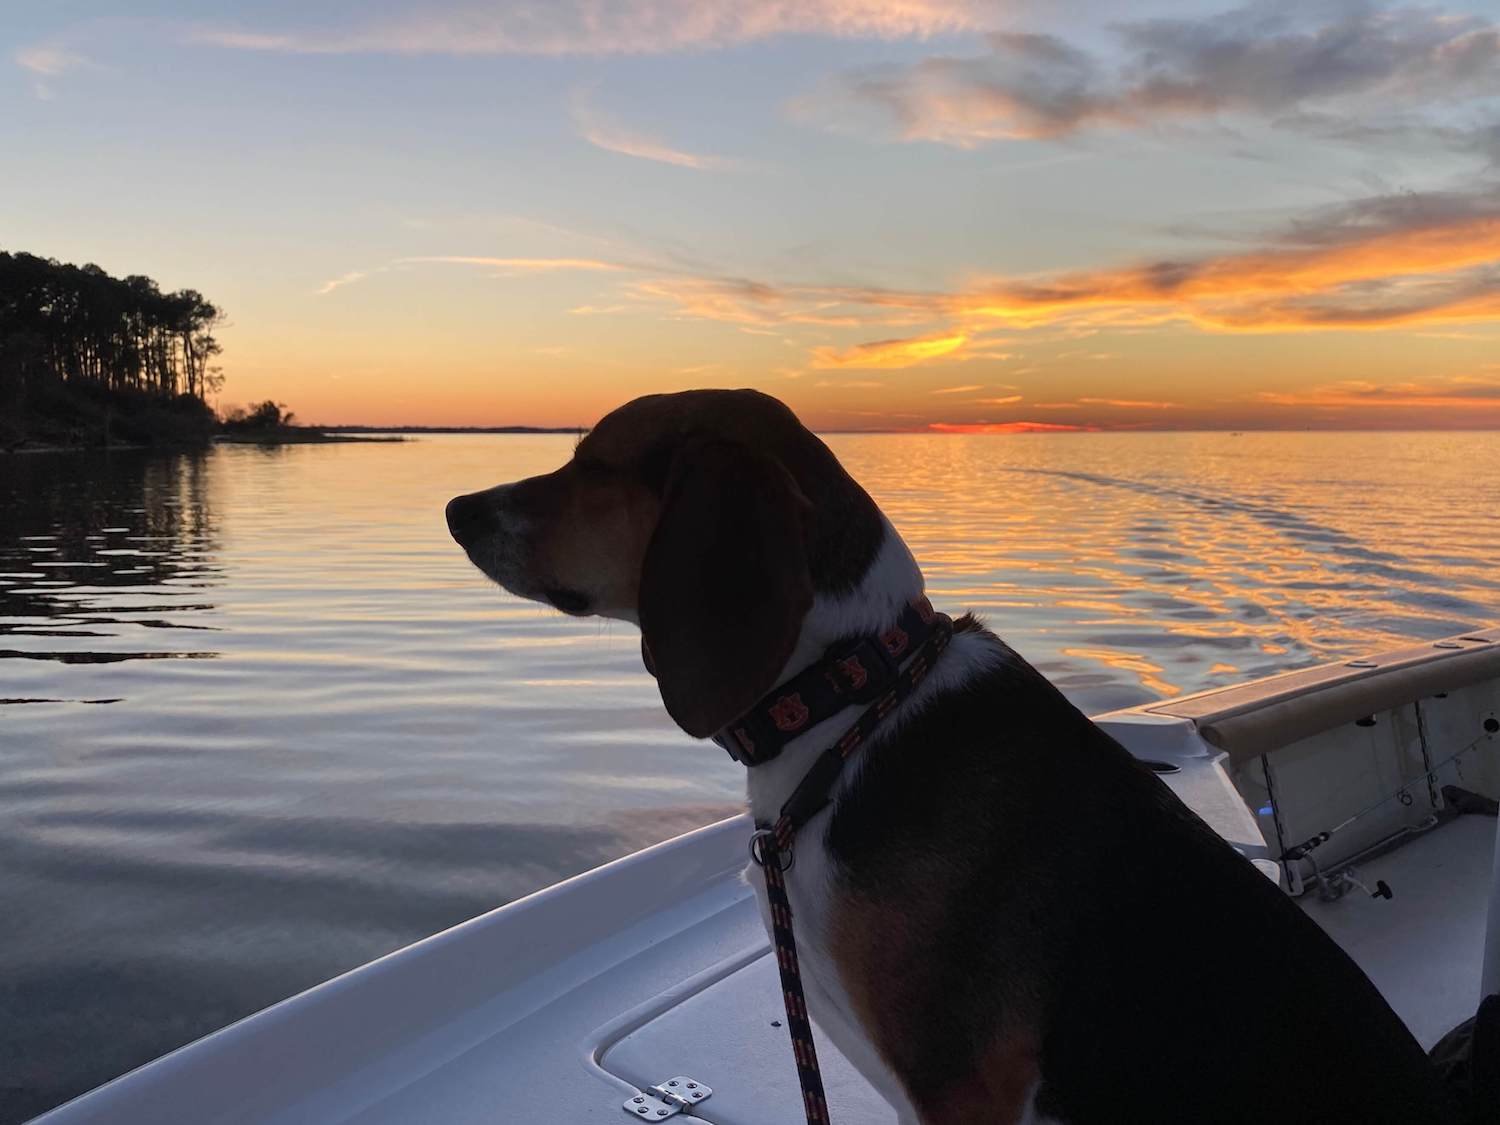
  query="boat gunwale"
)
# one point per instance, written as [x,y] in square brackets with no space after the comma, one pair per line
[706,858]
[1251,719]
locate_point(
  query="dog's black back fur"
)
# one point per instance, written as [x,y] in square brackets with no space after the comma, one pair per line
[1064,890]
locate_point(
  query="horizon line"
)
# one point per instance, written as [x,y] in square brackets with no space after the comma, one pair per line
[523,429]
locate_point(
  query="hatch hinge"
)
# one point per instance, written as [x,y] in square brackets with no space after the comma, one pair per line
[674,1096]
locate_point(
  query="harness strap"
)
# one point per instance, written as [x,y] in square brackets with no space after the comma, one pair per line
[771,850]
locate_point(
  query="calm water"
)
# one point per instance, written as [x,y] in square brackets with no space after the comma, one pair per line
[260,721]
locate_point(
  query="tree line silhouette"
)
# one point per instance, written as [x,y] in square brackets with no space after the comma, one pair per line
[78,346]
[79,325]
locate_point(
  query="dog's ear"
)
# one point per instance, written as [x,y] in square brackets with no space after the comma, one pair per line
[725,582]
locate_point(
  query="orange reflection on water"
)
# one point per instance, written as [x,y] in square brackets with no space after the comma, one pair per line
[1134,663]
[1135,566]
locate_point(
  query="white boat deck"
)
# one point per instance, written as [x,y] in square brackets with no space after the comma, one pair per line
[558,1007]
[1424,947]
[505,1017]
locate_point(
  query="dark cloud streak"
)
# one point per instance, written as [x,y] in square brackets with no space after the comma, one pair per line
[1324,65]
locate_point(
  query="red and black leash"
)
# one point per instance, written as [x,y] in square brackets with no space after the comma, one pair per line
[804,1051]
[910,648]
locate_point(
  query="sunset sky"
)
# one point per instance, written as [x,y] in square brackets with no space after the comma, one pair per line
[909,214]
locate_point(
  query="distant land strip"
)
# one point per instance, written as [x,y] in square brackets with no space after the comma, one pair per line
[362,429]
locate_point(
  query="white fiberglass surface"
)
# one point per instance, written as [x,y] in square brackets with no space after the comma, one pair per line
[1423,946]
[730,1035]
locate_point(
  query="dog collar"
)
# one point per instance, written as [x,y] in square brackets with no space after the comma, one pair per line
[864,669]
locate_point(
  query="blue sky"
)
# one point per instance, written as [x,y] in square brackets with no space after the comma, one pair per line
[1092,214]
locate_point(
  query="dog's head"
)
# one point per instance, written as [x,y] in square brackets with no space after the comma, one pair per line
[712,518]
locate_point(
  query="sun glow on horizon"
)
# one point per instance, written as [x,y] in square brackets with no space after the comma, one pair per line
[949,217]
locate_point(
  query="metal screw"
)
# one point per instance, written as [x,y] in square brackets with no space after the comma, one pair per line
[639,1099]
[697,1093]
[692,1085]
[661,1113]
[672,1083]
[641,1110]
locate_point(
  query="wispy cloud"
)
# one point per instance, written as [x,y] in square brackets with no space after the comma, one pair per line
[890,354]
[753,303]
[1004,400]
[1452,393]
[602,131]
[1016,427]
[1408,260]
[1414,260]
[521,265]
[958,390]
[45,62]
[1268,59]
[48,61]
[1424,260]
[342,280]
[588,27]
[503,267]
[1132,403]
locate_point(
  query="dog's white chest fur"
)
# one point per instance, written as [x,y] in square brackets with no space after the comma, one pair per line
[808,885]
[892,581]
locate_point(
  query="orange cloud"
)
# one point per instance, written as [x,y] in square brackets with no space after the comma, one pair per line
[1383,262]
[1132,403]
[958,390]
[1429,271]
[1006,401]
[1457,393]
[1006,428]
[889,354]
[569,27]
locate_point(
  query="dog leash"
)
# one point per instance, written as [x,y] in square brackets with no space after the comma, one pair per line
[919,636]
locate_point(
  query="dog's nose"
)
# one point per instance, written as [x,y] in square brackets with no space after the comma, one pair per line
[471,516]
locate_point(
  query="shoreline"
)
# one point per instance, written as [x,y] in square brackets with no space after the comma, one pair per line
[294,438]
[192,446]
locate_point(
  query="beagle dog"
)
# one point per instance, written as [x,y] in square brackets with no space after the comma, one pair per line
[1001,916]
